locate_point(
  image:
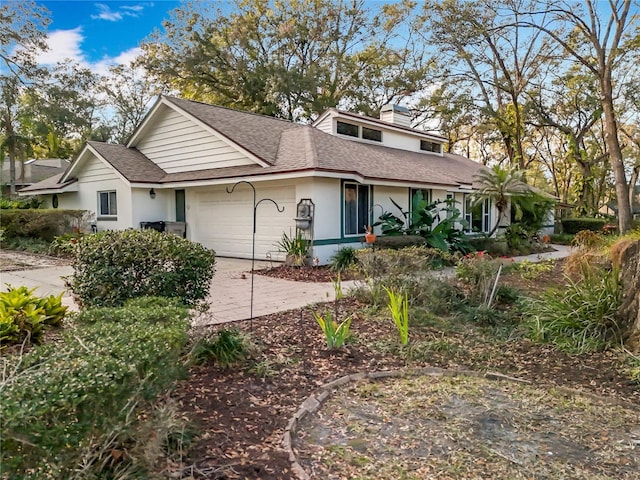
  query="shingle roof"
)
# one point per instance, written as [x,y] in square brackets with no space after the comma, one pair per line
[47,184]
[129,162]
[289,147]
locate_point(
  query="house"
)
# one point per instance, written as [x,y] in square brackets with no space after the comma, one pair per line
[31,171]
[335,176]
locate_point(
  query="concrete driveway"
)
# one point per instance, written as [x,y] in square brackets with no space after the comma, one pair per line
[230,294]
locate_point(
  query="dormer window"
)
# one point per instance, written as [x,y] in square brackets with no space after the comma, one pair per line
[428,146]
[371,134]
[349,129]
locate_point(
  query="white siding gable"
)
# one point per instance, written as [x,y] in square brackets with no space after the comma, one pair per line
[177,144]
[95,170]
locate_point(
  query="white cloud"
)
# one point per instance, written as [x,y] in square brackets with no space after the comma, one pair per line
[63,44]
[105,13]
[102,67]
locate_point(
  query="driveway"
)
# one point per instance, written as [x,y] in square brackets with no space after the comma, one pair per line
[229,297]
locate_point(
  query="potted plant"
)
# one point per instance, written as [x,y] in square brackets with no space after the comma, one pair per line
[296,248]
[369,237]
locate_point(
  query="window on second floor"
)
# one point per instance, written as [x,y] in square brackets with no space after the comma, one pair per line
[349,129]
[428,146]
[371,134]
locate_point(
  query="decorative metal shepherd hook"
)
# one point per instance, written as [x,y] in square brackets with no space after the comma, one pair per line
[253,241]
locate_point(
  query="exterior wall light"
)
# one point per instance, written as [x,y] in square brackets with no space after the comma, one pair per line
[152,193]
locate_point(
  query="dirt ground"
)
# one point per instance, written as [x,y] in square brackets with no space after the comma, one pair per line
[10,260]
[241,412]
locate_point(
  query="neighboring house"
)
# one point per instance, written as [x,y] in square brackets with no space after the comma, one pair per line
[611,208]
[185,155]
[32,171]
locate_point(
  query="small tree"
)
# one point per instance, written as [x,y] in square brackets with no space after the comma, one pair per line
[500,186]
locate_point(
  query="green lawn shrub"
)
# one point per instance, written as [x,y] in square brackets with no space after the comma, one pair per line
[562,238]
[25,316]
[399,241]
[43,224]
[21,203]
[114,266]
[574,225]
[225,348]
[580,317]
[343,259]
[404,261]
[74,409]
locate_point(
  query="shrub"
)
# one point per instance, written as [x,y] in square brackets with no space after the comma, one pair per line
[21,203]
[334,333]
[406,261]
[562,238]
[114,266]
[587,239]
[74,405]
[65,245]
[581,317]
[343,259]
[23,315]
[297,247]
[42,224]
[574,225]
[227,348]
[399,308]
[399,241]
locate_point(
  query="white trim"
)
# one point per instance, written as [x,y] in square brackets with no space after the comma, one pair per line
[295,175]
[334,113]
[164,101]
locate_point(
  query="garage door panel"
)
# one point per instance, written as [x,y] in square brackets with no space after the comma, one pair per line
[224,222]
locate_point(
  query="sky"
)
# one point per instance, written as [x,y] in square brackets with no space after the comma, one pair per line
[101,33]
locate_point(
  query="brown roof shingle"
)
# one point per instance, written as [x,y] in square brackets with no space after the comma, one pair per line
[289,147]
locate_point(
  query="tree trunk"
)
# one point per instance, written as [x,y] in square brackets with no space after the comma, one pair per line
[635,173]
[615,154]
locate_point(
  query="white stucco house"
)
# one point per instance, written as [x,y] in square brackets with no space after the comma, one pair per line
[185,155]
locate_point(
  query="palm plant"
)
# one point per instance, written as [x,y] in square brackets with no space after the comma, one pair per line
[501,185]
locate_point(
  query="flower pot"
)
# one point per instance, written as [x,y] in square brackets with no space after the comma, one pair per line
[370,237]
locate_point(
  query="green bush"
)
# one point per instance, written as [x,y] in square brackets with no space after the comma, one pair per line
[581,317]
[71,405]
[405,261]
[24,315]
[562,238]
[226,348]
[21,203]
[114,266]
[343,259]
[397,242]
[42,224]
[574,225]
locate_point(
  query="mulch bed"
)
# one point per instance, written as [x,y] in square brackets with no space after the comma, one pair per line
[240,413]
[305,274]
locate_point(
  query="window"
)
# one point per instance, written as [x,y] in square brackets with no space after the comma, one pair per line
[477,215]
[428,146]
[356,208]
[107,205]
[347,129]
[371,134]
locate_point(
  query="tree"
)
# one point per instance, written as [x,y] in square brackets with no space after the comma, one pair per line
[129,94]
[289,59]
[21,39]
[61,113]
[502,187]
[569,104]
[484,48]
[598,43]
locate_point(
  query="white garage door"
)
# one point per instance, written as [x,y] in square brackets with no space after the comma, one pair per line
[224,222]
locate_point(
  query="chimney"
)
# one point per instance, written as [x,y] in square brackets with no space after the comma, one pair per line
[396,114]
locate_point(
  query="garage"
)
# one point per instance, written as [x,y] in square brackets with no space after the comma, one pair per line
[224,222]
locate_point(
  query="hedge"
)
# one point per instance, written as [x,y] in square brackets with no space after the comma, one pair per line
[575,225]
[399,241]
[44,224]
[64,403]
[114,266]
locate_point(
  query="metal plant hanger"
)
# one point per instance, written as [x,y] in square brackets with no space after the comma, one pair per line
[253,240]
